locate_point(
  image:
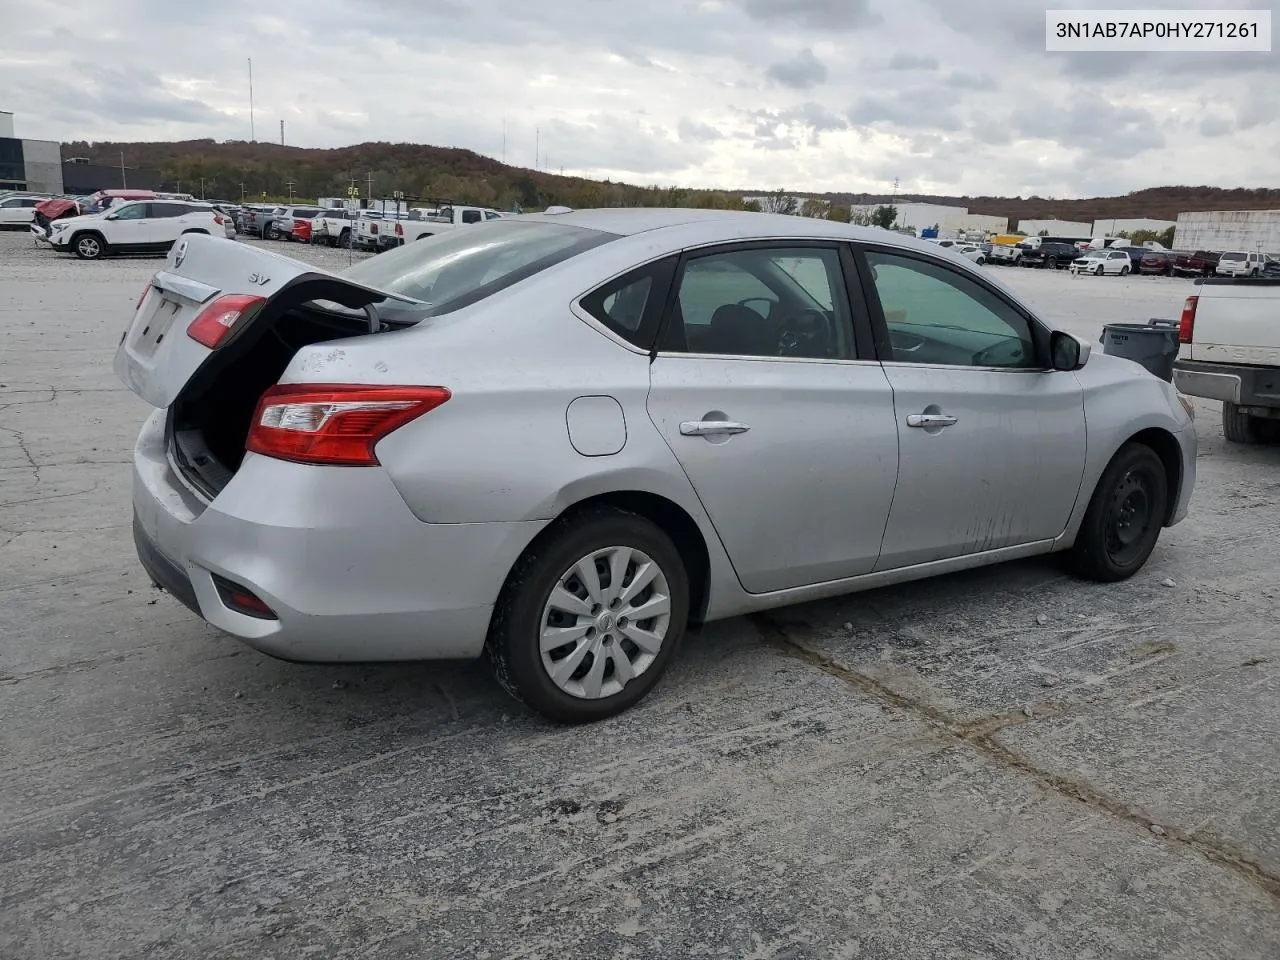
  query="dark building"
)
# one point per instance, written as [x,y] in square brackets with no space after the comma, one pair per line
[34,165]
[79,176]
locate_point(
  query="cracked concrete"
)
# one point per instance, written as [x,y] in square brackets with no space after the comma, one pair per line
[1001,764]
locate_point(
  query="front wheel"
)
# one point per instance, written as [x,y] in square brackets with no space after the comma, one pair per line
[1124,518]
[980,261]
[590,616]
[89,246]
[1099,271]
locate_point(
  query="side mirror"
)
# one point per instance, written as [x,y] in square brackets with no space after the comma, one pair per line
[1067,352]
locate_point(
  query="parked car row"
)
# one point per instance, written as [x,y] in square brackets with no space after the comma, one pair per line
[364,229]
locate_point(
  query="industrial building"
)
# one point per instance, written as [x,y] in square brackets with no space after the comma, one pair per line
[32,165]
[1069,229]
[922,216]
[1245,231]
[1111,228]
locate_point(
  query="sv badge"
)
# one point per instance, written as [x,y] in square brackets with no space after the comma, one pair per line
[258,279]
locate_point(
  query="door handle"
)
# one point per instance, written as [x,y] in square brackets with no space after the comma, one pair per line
[712,428]
[930,420]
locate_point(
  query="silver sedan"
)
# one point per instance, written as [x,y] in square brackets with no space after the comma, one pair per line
[561,438]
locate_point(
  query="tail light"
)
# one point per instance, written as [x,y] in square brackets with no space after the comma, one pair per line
[145,291]
[335,424]
[219,219]
[373,228]
[1187,323]
[399,230]
[218,319]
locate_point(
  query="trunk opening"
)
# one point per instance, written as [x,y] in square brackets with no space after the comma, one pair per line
[209,422]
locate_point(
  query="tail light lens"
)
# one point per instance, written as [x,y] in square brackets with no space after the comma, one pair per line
[1187,323]
[219,219]
[145,291]
[373,228]
[218,319]
[335,424]
[399,230]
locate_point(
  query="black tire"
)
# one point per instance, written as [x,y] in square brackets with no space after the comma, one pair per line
[514,644]
[1099,271]
[981,261]
[89,246]
[344,238]
[1051,263]
[1125,515]
[1241,427]
[1124,271]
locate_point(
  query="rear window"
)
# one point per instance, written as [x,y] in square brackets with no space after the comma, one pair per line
[452,270]
[1233,256]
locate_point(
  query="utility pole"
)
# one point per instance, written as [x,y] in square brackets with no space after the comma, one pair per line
[504,139]
[369,180]
[537,146]
[252,133]
[202,188]
[289,184]
[282,133]
[123,185]
[241,193]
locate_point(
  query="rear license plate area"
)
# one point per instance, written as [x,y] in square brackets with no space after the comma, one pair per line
[155,325]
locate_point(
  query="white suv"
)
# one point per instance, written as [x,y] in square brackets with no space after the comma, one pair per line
[18,210]
[1241,264]
[139,226]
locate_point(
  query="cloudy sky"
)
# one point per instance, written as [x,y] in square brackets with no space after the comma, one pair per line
[949,96]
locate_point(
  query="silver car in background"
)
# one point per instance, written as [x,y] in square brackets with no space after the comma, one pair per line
[560,438]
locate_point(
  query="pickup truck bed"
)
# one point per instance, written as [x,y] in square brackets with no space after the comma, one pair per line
[1230,336]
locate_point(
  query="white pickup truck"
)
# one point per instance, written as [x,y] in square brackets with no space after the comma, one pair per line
[1230,351]
[420,225]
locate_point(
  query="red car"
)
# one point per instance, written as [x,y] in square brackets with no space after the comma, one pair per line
[302,230]
[1158,262]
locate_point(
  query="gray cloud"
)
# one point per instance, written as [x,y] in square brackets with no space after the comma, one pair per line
[912,61]
[814,14]
[802,72]
[699,93]
[694,132]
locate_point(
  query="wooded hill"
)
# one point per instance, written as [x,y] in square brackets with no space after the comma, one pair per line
[468,177]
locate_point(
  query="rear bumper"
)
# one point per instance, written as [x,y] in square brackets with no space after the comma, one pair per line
[349,572]
[1244,386]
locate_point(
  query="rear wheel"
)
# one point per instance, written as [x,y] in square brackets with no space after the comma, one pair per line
[1241,427]
[590,616]
[1124,518]
[89,246]
[980,261]
[1051,263]
[344,238]
[1124,271]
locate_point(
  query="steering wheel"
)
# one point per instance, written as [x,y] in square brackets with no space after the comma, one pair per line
[805,334]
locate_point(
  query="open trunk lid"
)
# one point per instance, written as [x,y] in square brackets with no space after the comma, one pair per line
[223,284]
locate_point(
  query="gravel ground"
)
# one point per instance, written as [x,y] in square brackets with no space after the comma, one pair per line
[1003,763]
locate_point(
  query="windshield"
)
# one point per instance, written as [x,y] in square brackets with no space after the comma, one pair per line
[451,270]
